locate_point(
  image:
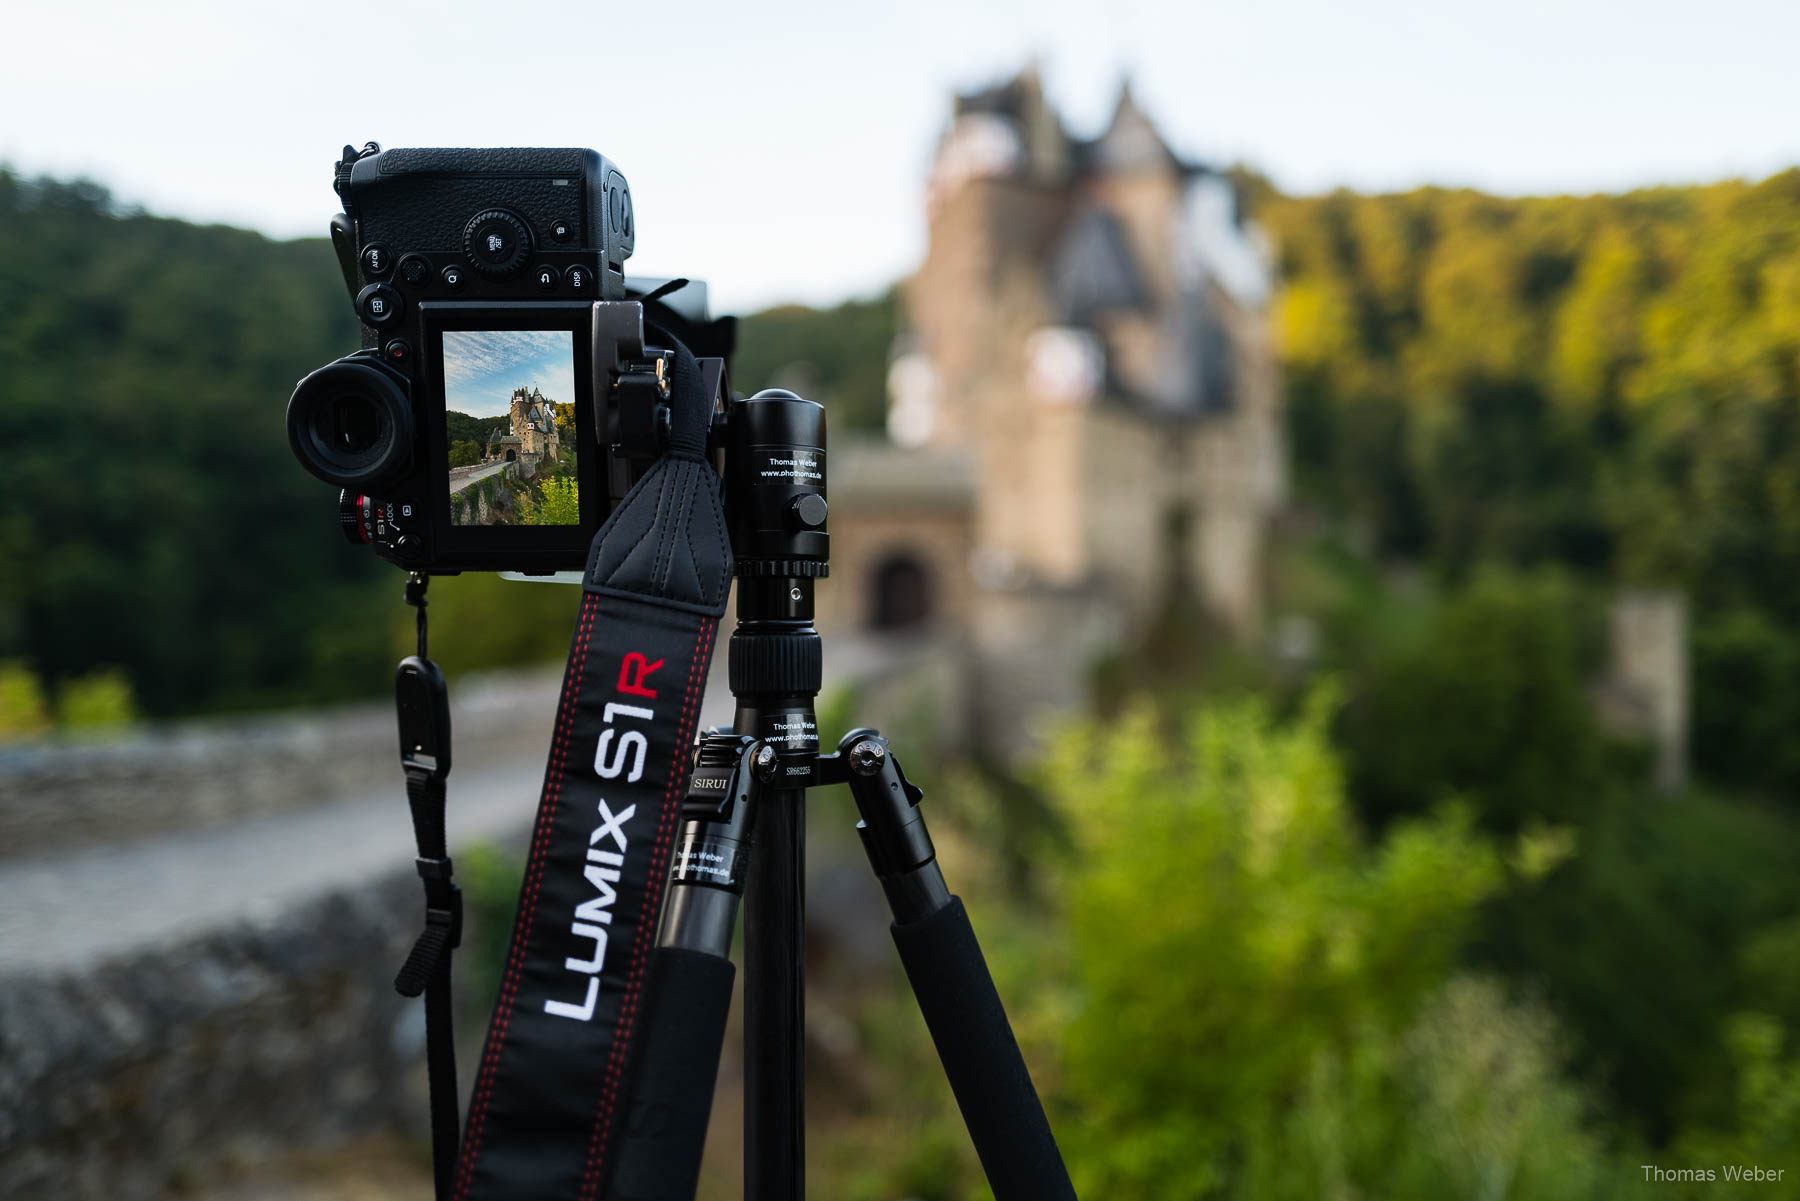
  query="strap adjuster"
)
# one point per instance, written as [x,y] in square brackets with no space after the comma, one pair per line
[450,916]
[433,869]
[442,933]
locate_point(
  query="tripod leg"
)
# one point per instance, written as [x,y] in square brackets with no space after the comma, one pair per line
[675,1066]
[950,979]
[673,1074]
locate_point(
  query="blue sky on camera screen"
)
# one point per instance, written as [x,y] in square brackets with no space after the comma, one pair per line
[482,367]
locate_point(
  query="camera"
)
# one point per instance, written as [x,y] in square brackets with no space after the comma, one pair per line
[512,378]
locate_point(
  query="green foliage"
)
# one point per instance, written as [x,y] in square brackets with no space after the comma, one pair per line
[1630,937]
[552,502]
[1607,382]
[836,356]
[1487,701]
[1747,702]
[100,698]
[489,878]
[480,620]
[460,427]
[1766,1117]
[464,454]
[24,711]
[1671,917]
[1261,1004]
[189,550]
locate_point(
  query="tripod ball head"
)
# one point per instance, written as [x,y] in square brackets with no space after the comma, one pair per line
[775,485]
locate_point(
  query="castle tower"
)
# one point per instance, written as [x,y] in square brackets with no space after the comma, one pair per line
[1085,372]
[1089,322]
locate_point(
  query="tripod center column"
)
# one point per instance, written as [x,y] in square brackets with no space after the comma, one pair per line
[775,499]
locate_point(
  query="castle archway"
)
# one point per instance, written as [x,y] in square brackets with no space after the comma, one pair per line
[511,455]
[900,592]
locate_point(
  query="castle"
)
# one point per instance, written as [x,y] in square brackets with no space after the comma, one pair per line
[533,437]
[1083,410]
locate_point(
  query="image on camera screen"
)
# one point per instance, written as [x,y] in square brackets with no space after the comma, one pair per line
[509,417]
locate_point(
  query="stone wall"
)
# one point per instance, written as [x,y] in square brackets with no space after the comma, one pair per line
[160,779]
[142,1076]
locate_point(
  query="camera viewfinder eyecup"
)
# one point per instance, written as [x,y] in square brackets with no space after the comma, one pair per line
[350,424]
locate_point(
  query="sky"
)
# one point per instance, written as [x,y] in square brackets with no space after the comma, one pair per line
[482,367]
[779,150]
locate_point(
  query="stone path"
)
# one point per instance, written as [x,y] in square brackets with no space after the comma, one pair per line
[65,909]
[457,484]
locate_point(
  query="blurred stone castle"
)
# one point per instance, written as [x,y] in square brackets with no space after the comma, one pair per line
[1083,408]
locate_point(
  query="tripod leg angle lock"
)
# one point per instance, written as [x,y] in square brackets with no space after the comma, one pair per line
[673,1077]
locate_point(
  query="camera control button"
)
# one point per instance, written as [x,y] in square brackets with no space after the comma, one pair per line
[409,547]
[453,277]
[496,242]
[398,351]
[379,305]
[376,261]
[414,270]
[562,230]
[547,277]
[580,280]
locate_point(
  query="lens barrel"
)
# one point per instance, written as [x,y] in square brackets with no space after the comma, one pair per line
[350,424]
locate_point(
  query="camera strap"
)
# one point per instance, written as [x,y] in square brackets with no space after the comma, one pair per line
[422,703]
[548,1098]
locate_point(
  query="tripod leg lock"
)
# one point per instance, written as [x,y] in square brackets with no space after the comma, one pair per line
[892,829]
[706,876]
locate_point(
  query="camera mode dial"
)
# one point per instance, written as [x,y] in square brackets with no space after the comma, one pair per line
[496,242]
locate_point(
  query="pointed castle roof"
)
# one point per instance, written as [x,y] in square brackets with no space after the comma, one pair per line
[1131,143]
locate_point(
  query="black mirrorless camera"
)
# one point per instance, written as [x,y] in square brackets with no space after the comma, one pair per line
[505,397]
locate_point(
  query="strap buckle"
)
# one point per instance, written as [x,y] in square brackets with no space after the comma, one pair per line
[422,703]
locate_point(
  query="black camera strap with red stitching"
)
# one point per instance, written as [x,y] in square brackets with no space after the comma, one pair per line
[547,1101]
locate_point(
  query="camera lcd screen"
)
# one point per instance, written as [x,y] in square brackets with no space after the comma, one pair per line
[509,425]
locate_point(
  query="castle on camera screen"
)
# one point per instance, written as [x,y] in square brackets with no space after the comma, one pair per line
[509,417]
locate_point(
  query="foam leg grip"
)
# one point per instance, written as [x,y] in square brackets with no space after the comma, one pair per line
[672,1076]
[981,1057]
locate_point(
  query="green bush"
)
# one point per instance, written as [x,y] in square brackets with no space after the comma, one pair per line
[100,698]
[555,503]
[1260,1000]
[24,712]
[1667,921]
[1486,701]
[1766,1118]
[1747,703]
[481,621]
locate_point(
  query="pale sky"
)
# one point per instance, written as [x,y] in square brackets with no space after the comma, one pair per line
[779,150]
[482,367]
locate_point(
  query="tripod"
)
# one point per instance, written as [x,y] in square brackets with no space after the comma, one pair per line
[743,838]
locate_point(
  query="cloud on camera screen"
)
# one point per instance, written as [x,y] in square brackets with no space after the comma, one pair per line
[509,417]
